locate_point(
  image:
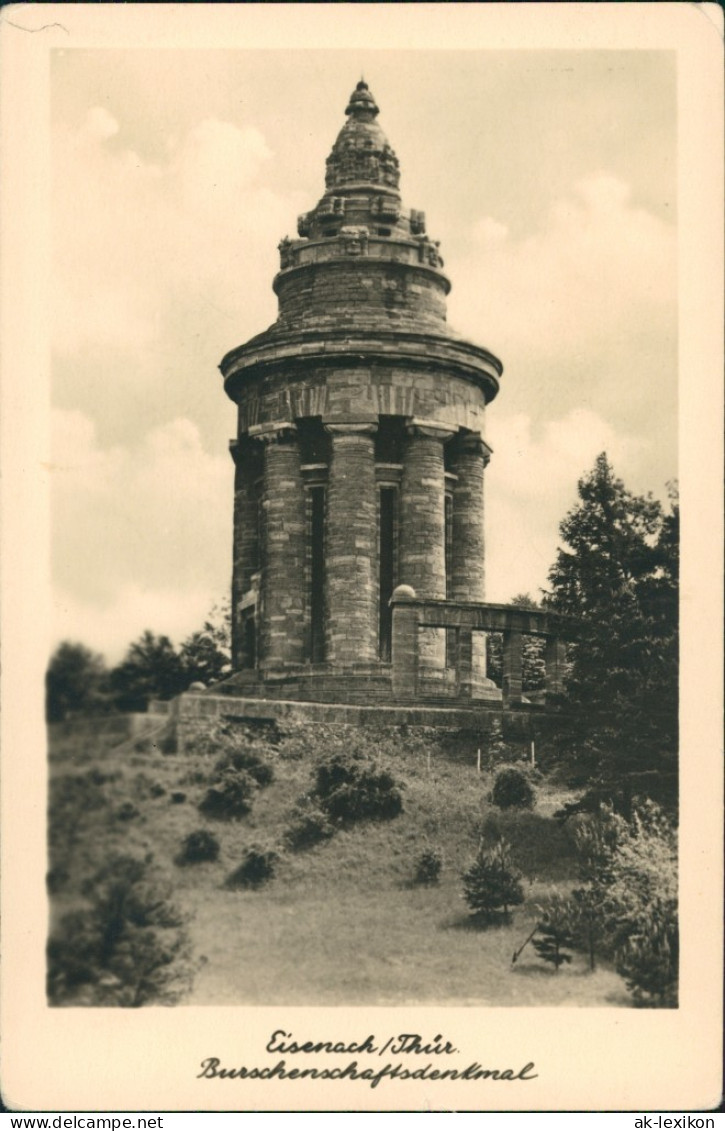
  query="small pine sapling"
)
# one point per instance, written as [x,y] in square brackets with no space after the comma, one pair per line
[550,943]
[492,883]
[428,867]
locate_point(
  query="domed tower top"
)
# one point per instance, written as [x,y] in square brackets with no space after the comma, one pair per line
[362,154]
[362,267]
[362,102]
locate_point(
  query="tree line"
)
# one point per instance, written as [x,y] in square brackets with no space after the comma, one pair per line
[78,681]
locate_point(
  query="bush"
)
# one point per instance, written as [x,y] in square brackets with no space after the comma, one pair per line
[129,947]
[178,797]
[230,796]
[309,827]
[628,902]
[257,868]
[353,788]
[127,811]
[428,867]
[198,848]
[648,960]
[512,790]
[492,883]
[248,761]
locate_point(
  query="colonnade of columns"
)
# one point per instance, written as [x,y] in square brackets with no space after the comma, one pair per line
[272,552]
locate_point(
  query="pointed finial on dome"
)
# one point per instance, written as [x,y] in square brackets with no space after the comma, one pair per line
[361,102]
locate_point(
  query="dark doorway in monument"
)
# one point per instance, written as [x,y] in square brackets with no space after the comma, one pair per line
[388,520]
[317,574]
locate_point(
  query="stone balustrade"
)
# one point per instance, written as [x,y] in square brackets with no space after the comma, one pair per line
[413,617]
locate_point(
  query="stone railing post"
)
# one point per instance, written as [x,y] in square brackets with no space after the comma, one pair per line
[282,599]
[351,545]
[512,682]
[404,643]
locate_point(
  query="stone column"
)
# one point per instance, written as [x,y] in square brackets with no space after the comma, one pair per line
[351,543]
[467,580]
[246,561]
[282,614]
[423,529]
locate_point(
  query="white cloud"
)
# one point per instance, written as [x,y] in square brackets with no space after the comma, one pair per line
[599,263]
[583,311]
[531,484]
[145,250]
[141,535]
[111,628]
[489,231]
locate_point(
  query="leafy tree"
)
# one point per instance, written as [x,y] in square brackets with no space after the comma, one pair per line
[206,654]
[75,682]
[617,574]
[152,669]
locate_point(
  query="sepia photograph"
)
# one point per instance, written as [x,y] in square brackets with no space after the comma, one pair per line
[362,643]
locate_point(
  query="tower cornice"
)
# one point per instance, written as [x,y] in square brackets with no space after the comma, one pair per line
[297,352]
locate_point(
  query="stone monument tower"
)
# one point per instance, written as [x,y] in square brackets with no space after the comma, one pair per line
[359,454]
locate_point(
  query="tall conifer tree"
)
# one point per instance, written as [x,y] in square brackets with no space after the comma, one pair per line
[617,573]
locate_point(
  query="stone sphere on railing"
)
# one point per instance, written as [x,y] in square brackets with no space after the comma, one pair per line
[403,593]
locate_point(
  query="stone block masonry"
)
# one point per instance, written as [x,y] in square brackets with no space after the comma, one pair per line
[283,597]
[359,457]
[351,625]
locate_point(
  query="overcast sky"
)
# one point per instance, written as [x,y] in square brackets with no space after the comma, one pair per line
[548,176]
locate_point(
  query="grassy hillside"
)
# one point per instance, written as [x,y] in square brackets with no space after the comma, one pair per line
[342,922]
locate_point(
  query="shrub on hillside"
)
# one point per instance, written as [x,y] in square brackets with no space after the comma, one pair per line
[250,761]
[309,826]
[128,947]
[230,796]
[127,811]
[257,868]
[428,867]
[628,902]
[353,788]
[72,797]
[492,884]
[221,739]
[512,790]
[199,847]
